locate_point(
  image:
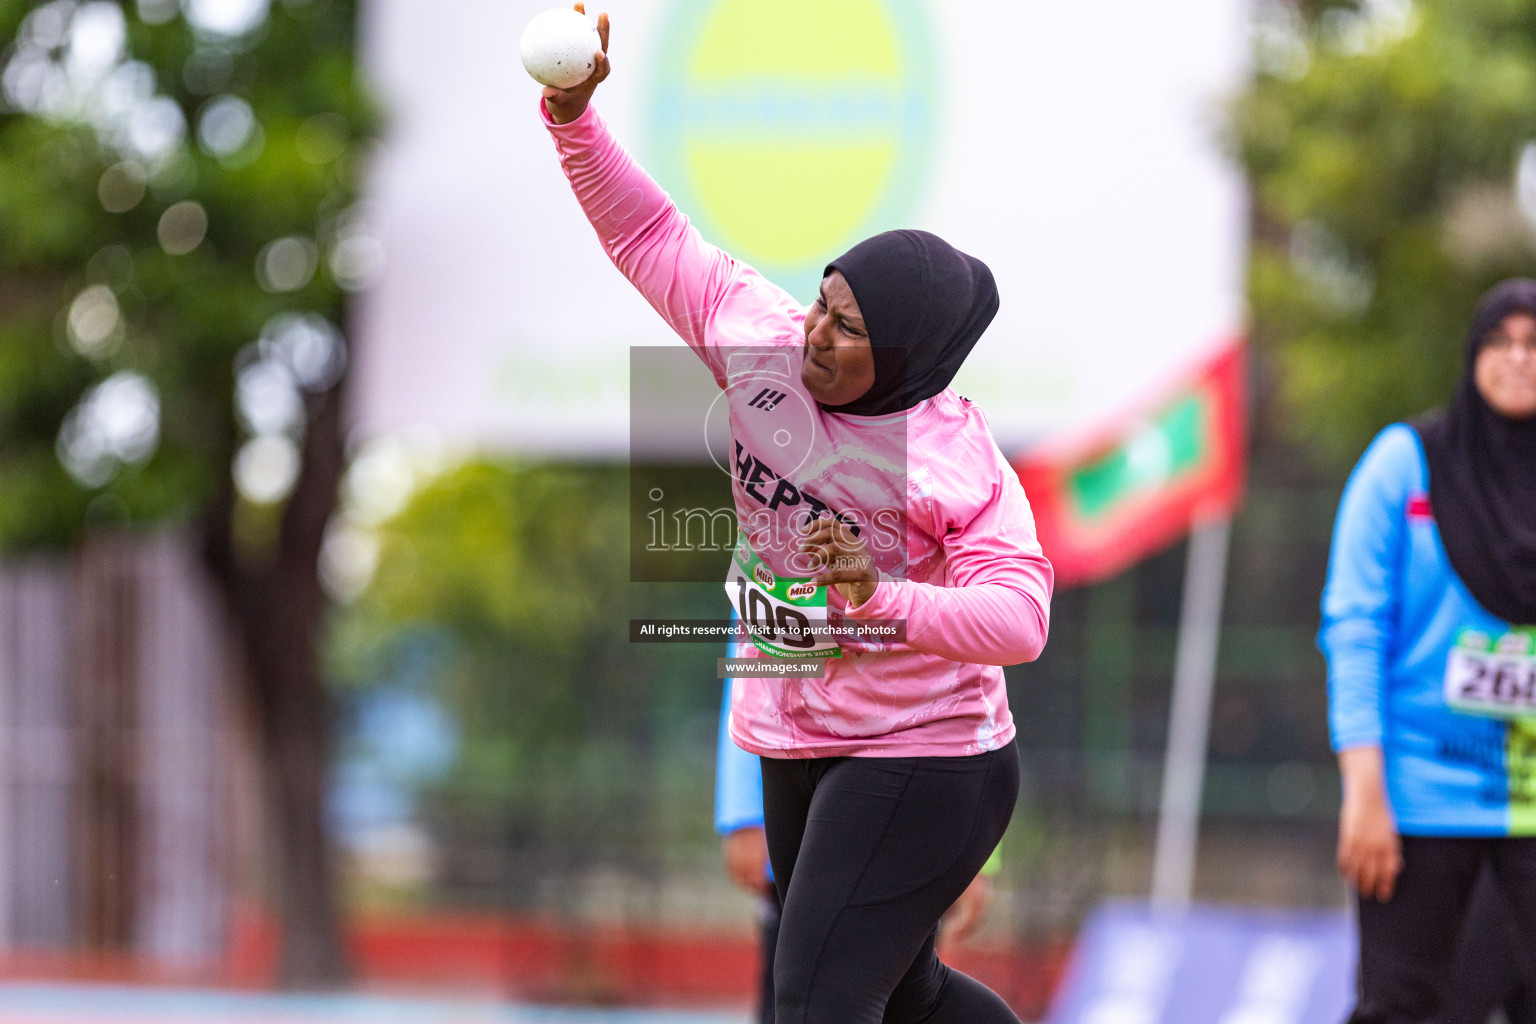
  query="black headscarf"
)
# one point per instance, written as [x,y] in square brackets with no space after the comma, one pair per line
[1482,476]
[925,303]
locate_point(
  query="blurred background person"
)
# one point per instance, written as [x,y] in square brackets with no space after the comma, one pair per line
[739,821]
[1427,617]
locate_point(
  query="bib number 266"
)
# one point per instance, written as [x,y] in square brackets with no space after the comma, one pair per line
[1492,677]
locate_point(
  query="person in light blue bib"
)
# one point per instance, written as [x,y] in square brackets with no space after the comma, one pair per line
[1429,628]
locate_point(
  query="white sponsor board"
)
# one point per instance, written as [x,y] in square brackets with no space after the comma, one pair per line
[1072,146]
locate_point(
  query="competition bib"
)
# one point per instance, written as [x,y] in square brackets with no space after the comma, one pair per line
[1493,675]
[777,612]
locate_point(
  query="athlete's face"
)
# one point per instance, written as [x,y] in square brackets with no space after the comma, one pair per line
[839,366]
[1505,369]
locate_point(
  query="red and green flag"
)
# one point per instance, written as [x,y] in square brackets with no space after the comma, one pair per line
[1105,500]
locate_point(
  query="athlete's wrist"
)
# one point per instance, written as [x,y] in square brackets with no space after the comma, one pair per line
[1362,765]
[557,115]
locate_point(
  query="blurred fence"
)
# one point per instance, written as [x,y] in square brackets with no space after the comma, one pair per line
[1093,718]
[614,826]
[567,852]
[120,760]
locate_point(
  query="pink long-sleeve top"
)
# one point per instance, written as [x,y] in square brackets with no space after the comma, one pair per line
[970,582]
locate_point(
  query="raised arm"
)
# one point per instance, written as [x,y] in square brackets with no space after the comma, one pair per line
[684,278]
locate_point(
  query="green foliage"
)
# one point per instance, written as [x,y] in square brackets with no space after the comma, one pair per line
[1382,145]
[182,317]
[515,582]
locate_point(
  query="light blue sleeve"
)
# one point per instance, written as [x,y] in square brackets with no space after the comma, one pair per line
[738,774]
[1364,589]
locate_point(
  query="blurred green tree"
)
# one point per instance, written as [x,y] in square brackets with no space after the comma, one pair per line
[528,572]
[1391,146]
[178,231]
[572,740]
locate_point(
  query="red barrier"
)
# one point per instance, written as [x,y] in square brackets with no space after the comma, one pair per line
[525,960]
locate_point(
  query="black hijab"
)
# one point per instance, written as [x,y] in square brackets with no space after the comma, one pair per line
[1482,476]
[925,303]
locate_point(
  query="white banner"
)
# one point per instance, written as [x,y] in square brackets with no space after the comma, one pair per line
[1072,146]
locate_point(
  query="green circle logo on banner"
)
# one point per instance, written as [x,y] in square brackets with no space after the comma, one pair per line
[789,130]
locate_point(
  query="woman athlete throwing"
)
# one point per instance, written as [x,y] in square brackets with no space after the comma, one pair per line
[888,781]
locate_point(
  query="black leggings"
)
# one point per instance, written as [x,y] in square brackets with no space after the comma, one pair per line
[1408,944]
[1487,975]
[868,853]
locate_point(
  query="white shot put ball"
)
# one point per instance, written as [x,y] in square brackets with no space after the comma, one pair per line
[557,48]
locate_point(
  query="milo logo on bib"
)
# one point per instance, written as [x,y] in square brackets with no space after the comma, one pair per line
[1493,675]
[779,613]
[790,130]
